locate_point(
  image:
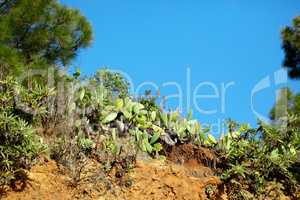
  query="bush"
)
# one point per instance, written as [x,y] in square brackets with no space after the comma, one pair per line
[19,144]
[114,82]
[258,158]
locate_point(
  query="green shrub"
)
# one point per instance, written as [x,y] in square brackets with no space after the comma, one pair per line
[257,157]
[114,82]
[19,144]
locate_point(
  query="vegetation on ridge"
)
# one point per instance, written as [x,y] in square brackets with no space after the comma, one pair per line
[77,119]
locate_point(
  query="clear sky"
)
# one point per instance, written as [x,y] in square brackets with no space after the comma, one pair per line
[230,42]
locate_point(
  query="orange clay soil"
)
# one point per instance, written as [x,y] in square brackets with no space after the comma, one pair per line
[150,179]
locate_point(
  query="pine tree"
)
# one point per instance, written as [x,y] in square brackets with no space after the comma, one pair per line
[291,47]
[39,34]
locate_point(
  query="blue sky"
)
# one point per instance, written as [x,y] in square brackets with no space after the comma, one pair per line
[220,41]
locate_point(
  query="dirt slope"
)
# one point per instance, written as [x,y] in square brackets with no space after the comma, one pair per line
[150,180]
[158,181]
